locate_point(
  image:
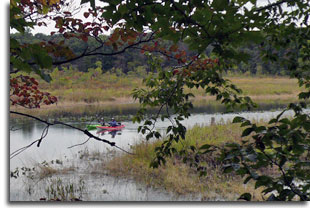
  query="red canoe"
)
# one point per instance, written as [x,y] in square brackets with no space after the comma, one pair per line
[111,128]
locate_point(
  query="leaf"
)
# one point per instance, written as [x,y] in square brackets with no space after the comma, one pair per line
[245,196]
[84,38]
[219,4]
[45,9]
[228,168]
[205,146]
[238,119]
[86,14]
[247,132]
[263,181]
[92,2]
[272,197]
[247,179]
[246,123]
[173,48]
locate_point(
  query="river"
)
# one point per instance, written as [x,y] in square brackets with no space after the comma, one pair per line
[60,148]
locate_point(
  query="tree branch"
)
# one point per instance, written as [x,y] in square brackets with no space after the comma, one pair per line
[45,132]
[273,4]
[93,53]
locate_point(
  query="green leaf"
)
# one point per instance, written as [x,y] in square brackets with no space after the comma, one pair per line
[246,123]
[14,43]
[247,132]
[263,181]
[219,4]
[45,9]
[245,196]
[20,64]
[205,146]
[238,119]
[92,3]
[247,179]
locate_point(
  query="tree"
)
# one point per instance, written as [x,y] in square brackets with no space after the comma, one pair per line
[220,28]
[224,26]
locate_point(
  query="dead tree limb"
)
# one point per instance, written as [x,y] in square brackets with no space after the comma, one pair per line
[45,132]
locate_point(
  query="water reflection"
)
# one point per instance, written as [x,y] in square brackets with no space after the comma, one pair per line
[113,133]
[59,138]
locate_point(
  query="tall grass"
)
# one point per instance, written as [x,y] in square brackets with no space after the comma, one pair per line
[179,177]
[77,90]
[70,85]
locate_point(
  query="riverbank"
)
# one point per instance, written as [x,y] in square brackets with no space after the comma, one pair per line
[89,160]
[86,102]
[177,176]
[81,112]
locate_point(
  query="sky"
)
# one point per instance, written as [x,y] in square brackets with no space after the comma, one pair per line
[76,3]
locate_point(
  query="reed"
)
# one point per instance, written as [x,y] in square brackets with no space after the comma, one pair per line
[179,177]
[80,94]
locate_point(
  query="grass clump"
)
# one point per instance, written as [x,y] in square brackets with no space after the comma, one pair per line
[179,177]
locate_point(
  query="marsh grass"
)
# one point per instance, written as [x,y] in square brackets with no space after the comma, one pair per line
[179,177]
[58,190]
[87,93]
[70,85]
[94,91]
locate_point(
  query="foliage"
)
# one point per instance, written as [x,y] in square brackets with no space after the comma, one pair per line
[167,92]
[287,143]
[24,91]
[213,31]
[133,59]
[283,145]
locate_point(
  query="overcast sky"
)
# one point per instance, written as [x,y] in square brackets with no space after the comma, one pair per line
[51,26]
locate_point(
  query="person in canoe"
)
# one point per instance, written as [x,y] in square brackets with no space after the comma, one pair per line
[101,121]
[113,123]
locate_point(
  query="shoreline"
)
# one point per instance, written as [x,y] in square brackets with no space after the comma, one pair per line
[125,107]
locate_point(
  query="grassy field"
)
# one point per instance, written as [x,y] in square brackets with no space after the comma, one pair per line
[179,177]
[119,90]
[88,93]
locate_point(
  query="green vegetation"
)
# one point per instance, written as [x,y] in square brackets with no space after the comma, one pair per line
[131,60]
[77,90]
[219,37]
[179,177]
[57,190]
[83,95]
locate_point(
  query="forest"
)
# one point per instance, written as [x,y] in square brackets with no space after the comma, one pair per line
[131,59]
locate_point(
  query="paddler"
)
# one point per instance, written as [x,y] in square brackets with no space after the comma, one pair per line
[113,123]
[101,121]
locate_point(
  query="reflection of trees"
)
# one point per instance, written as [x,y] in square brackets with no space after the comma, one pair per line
[25,130]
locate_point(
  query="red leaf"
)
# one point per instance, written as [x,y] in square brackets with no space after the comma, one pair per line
[86,14]
[84,38]
[173,48]
[156,44]
[177,56]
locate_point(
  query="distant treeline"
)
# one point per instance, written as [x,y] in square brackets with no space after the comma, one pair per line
[131,58]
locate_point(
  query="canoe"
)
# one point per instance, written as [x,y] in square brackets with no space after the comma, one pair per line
[110,128]
[92,127]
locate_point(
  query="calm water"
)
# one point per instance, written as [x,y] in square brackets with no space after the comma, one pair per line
[56,147]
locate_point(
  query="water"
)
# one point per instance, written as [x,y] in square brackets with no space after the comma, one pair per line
[62,143]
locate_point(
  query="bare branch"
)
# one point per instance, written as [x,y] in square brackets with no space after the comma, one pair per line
[79,144]
[45,132]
